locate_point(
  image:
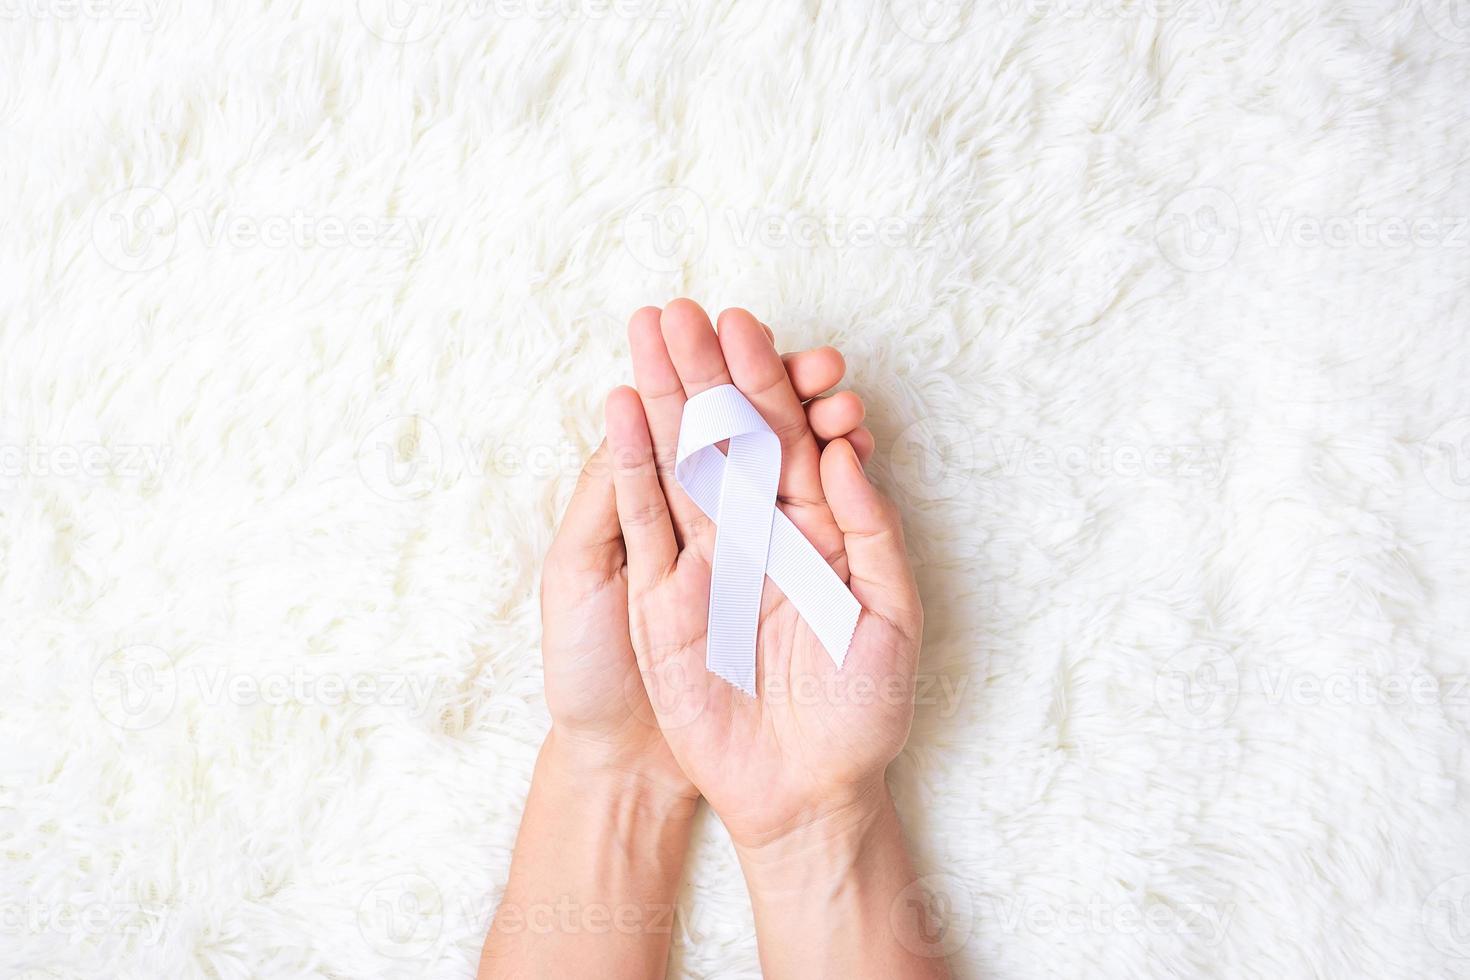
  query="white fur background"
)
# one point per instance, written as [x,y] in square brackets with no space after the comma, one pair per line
[1160,309]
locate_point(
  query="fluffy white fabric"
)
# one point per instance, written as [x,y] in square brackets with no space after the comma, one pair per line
[1159,308]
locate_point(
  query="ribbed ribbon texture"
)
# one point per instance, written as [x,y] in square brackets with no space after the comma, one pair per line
[753,538]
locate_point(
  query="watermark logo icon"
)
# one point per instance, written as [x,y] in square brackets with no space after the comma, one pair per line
[667,696]
[1445,456]
[1445,917]
[929,21]
[402,458]
[666,229]
[401,21]
[136,687]
[135,229]
[1450,19]
[1198,688]
[1199,229]
[401,916]
[933,459]
[934,916]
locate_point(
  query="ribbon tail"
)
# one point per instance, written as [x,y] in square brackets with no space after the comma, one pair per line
[753,538]
[810,584]
[742,544]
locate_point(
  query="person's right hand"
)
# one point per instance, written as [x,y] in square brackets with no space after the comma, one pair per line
[601,719]
[813,747]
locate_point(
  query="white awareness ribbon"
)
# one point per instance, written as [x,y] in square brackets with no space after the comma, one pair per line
[753,538]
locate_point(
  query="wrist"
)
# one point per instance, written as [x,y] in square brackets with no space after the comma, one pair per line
[832,895]
[593,884]
[643,777]
[820,846]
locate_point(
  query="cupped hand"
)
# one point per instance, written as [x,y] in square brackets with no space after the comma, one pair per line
[817,739]
[600,711]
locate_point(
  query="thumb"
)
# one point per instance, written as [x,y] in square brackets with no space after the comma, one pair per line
[589,540]
[881,577]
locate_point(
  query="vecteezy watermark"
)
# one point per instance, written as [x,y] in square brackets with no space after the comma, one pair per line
[802,230]
[146,14]
[1204,462]
[669,695]
[934,458]
[402,916]
[1201,687]
[1445,457]
[1198,688]
[86,461]
[1362,229]
[1210,14]
[673,693]
[82,920]
[939,21]
[135,687]
[410,21]
[937,457]
[402,21]
[138,687]
[931,21]
[401,458]
[1201,229]
[934,916]
[1204,922]
[407,457]
[569,917]
[1198,229]
[136,229]
[669,228]
[943,692]
[140,228]
[321,688]
[1445,917]
[1450,19]
[666,229]
[1358,687]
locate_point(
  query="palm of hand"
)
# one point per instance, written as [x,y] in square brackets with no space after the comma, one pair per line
[811,736]
[593,688]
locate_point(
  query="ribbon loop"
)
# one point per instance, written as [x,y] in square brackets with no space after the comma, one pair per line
[753,538]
